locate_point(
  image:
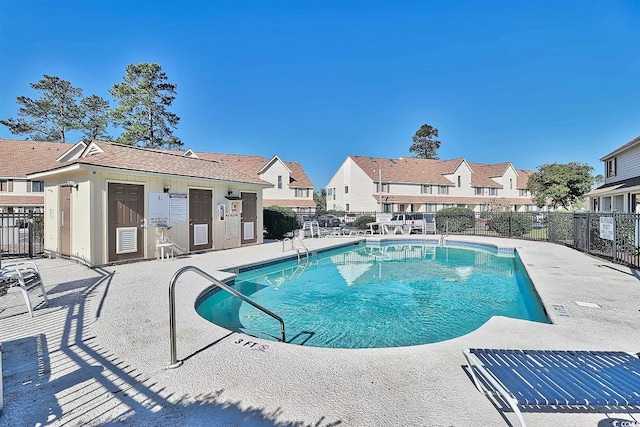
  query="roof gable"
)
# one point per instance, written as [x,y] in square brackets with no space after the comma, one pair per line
[137,159]
[634,142]
[273,160]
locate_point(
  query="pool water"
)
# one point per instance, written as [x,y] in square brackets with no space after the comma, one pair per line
[371,296]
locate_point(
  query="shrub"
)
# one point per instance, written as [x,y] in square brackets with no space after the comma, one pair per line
[362,221]
[511,224]
[560,226]
[454,220]
[278,221]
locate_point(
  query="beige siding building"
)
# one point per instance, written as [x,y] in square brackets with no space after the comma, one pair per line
[107,202]
[367,184]
[621,189]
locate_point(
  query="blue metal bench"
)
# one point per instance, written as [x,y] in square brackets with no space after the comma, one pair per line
[557,378]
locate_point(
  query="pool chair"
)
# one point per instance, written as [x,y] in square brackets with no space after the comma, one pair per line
[600,381]
[26,276]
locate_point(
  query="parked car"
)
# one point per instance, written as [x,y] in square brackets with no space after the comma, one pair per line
[329,220]
[303,218]
[416,220]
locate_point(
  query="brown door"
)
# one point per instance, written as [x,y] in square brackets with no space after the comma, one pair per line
[200,219]
[248,222]
[126,221]
[65,221]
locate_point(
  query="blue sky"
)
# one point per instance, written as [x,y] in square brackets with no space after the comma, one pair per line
[531,82]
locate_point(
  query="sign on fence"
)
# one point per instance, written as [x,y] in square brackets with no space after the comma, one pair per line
[606,227]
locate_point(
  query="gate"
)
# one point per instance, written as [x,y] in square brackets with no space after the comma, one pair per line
[21,234]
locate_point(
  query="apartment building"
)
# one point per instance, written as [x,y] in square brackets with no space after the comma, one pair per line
[292,187]
[621,189]
[409,184]
[18,158]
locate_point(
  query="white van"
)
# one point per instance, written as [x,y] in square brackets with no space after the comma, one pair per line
[416,221]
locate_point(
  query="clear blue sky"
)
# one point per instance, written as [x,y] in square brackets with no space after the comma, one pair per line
[530,82]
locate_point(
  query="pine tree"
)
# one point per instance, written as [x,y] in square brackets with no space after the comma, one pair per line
[143,98]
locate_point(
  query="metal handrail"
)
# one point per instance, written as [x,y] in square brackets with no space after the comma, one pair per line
[292,247]
[172,307]
[302,243]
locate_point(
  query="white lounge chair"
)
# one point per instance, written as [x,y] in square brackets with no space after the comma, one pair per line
[25,275]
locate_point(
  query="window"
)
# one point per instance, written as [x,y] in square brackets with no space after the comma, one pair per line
[611,167]
[302,192]
[426,189]
[459,181]
[386,207]
[479,191]
[443,189]
[279,181]
[346,207]
[493,191]
[385,187]
[329,191]
[6,185]
[510,184]
[483,208]
[431,207]
[524,193]
[37,186]
[346,189]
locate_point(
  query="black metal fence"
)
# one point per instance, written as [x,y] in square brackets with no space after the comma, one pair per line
[613,236]
[21,234]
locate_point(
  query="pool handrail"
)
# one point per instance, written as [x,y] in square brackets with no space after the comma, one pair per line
[293,246]
[172,308]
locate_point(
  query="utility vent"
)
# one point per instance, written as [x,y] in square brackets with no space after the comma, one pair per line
[200,234]
[93,149]
[126,240]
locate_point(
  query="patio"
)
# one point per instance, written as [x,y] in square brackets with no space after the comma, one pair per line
[97,353]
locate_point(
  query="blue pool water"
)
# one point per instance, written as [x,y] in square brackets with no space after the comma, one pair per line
[370,296]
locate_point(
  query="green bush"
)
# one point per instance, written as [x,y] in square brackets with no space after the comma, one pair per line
[278,221]
[511,224]
[560,225]
[454,220]
[362,221]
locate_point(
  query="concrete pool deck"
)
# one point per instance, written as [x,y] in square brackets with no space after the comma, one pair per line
[97,353]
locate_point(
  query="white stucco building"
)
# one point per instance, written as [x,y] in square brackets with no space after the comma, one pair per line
[408,184]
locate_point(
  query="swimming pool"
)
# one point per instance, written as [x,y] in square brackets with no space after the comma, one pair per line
[379,295]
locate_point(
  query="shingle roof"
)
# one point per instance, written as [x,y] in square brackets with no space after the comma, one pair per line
[291,203]
[407,169]
[129,158]
[430,171]
[523,178]
[13,200]
[252,164]
[18,158]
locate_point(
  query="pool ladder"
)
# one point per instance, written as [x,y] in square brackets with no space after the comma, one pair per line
[293,246]
[172,308]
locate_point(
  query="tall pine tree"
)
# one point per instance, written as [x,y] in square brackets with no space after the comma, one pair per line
[143,98]
[50,117]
